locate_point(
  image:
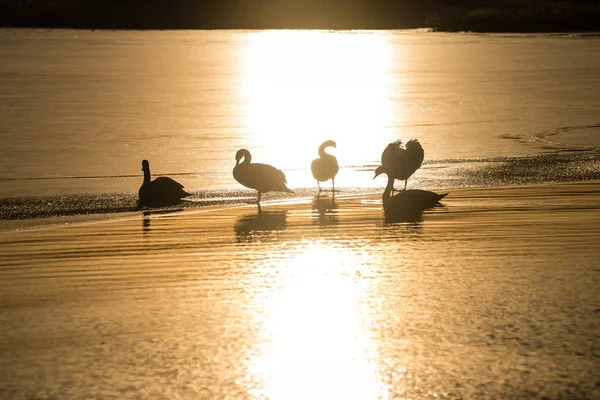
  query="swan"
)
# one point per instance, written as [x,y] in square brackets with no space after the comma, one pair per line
[403,161]
[408,205]
[161,191]
[261,177]
[326,166]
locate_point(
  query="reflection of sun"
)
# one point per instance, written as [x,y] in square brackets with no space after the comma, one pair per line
[315,326]
[301,88]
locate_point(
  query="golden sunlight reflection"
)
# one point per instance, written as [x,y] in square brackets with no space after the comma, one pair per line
[303,87]
[316,324]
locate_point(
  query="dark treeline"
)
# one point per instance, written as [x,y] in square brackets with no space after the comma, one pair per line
[453,15]
[330,14]
[516,16]
[209,14]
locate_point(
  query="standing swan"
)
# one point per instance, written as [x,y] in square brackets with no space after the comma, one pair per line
[161,191]
[403,162]
[261,177]
[326,166]
[408,205]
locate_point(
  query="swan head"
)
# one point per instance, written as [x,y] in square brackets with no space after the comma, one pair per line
[381,170]
[242,153]
[324,145]
[329,143]
[145,165]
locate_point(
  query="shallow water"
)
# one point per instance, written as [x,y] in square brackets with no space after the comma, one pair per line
[81,109]
[493,295]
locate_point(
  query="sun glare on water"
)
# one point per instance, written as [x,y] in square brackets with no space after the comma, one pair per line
[315,322]
[301,88]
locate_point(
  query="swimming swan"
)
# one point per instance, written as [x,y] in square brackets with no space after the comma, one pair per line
[261,177]
[408,205]
[161,191]
[402,162]
[326,166]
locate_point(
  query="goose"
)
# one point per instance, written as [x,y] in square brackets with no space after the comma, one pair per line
[408,205]
[161,191]
[260,177]
[402,162]
[326,166]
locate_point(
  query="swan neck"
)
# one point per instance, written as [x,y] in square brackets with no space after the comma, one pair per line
[247,158]
[388,188]
[322,153]
[147,175]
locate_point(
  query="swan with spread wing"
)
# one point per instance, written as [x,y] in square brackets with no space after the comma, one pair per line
[403,161]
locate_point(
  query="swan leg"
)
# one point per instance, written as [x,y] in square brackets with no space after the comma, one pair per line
[259,196]
[405,182]
[319,185]
[332,191]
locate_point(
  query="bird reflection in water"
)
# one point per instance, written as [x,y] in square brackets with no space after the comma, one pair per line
[146,217]
[409,212]
[325,209]
[407,205]
[259,226]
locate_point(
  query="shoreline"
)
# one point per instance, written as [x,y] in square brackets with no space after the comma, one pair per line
[294,204]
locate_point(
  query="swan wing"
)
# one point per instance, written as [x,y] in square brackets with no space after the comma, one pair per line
[394,158]
[166,184]
[391,154]
[261,177]
[414,156]
[162,190]
[403,162]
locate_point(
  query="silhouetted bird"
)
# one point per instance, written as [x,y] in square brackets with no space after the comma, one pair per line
[402,162]
[326,166]
[261,177]
[408,205]
[161,191]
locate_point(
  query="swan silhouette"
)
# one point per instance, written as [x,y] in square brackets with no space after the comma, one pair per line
[161,191]
[326,166]
[408,205]
[402,162]
[260,177]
